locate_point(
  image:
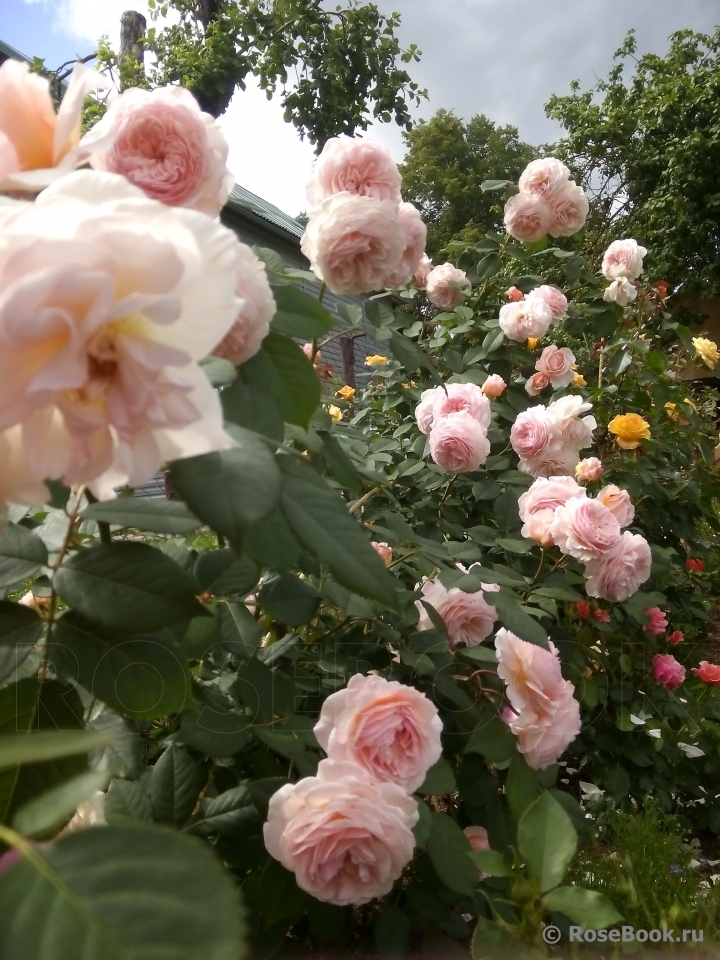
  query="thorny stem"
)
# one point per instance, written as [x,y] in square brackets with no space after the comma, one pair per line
[72,517]
[600,366]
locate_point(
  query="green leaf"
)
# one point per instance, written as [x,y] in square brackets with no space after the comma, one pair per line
[230,814]
[120,893]
[516,546]
[298,314]
[54,808]
[547,840]
[231,489]
[492,942]
[289,600]
[241,633]
[439,780]
[175,786]
[17,749]
[448,848]
[270,541]
[489,266]
[220,372]
[247,407]
[281,370]
[491,862]
[224,574]
[513,617]
[392,932]
[153,514]
[128,586]
[488,185]
[127,802]
[421,830]
[21,555]
[319,519]
[142,676]
[20,629]
[339,463]
[588,908]
[521,787]
[265,693]
[409,354]
[492,738]
[215,732]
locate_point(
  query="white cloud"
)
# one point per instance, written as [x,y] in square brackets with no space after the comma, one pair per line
[88,20]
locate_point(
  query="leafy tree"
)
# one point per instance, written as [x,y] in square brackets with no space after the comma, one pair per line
[646,148]
[337,70]
[447,160]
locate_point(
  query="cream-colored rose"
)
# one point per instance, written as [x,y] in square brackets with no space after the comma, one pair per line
[554,298]
[527,217]
[589,469]
[253,323]
[346,839]
[544,178]
[623,258]
[620,291]
[494,386]
[568,211]
[535,384]
[446,286]
[526,318]
[423,271]
[618,503]
[354,165]
[557,364]
[17,482]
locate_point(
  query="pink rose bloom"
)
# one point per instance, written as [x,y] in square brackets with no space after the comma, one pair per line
[479,843]
[353,165]
[36,146]
[18,484]
[620,291]
[658,621]
[513,294]
[537,527]
[424,410]
[590,469]
[529,434]
[468,617]
[108,300]
[494,386]
[527,217]
[565,424]
[346,840]
[458,443]
[623,258]
[709,672]
[668,671]
[584,529]
[554,298]
[538,504]
[463,396]
[253,322]
[568,211]
[554,460]
[384,551]
[536,384]
[353,241]
[423,271]
[415,237]
[617,575]
[447,287]
[544,178]
[389,729]
[547,715]
[557,363]
[618,503]
[164,144]
[676,637]
[524,319]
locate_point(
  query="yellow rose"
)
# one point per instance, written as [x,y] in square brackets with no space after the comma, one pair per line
[629,429]
[532,343]
[688,400]
[369,361]
[579,380]
[671,409]
[335,412]
[706,350]
[347,393]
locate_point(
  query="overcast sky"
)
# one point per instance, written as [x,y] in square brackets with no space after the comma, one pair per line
[503,58]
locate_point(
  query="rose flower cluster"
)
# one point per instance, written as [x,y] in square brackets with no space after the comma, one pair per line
[548,439]
[548,202]
[456,418]
[346,833]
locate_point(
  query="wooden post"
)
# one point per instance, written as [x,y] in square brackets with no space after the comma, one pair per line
[132,28]
[347,352]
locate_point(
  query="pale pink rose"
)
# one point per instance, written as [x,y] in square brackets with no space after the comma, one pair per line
[588,470]
[617,575]
[307,349]
[423,271]
[479,843]
[658,622]
[546,715]
[253,322]
[565,424]
[494,386]
[668,671]
[424,410]
[458,443]
[618,502]
[346,839]
[35,603]
[544,178]
[568,211]
[554,460]
[447,287]
[353,165]
[36,146]
[584,529]
[541,500]
[388,728]
[353,242]
[167,146]
[557,363]
[527,218]
[623,258]
[537,527]
[468,617]
[107,302]
[415,237]
[620,291]
[554,298]
[18,484]
[463,396]
[384,551]
[90,813]
[524,319]
[529,434]
[513,294]
[535,384]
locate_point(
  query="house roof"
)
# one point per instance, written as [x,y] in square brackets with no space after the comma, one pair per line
[10,53]
[245,202]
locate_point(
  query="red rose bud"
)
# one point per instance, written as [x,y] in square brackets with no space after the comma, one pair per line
[693,564]
[602,615]
[676,637]
[583,609]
